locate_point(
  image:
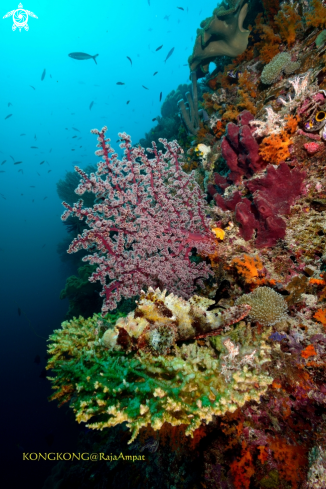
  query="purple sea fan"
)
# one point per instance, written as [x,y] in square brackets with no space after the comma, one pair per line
[148,216]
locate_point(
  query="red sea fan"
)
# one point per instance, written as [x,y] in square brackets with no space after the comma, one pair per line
[148,216]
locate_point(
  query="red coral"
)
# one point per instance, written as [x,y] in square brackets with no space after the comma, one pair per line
[240,149]
[312,148]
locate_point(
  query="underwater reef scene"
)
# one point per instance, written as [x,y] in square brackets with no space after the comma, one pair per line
[207,251]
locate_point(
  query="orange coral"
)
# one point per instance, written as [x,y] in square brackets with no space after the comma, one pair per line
[309,352]
[231,114]
[320,315]
[263,454]
[288,23]
[317,17]
[247,84]
[219,129]
[248,267]
[268,46]
[291,123]
[242,469]
[275,148]
[292,460]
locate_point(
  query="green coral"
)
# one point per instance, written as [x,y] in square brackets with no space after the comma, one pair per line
[273,70]
[191,384]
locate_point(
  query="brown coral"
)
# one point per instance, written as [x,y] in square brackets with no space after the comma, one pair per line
[317,16]
[288,23]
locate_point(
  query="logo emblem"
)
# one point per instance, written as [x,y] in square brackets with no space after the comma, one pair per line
[20,18]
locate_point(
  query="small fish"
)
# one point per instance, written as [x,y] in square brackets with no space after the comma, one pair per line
[169,54]
[35,136]
[145,87]
[34,147]
[185,64]
[49,171]
[32,201]
[7,117]
[234,74]
[21,171]
[38,173]
[9,104]
[37,359]
[43,74]
[23,134]
[3,196]
[2,171]
[44,199]
[129,60]
[91,105]
[155,73]
[43,245]
[149,2]
[160,96]
[82,56]
[32,87]
[19,311]
[73,137]
[128,102]
[13,159]
[154,119]
[50,150]
[17,162]
[167,17]
[42,162]
[32,186]
[180,8]
[75,129]
[50,76]
[120,83]
[4,161]
[160,47]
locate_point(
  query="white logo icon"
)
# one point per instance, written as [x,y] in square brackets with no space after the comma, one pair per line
[20,18]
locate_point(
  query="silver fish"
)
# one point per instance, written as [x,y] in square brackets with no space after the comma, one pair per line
[169,54]
[82,56]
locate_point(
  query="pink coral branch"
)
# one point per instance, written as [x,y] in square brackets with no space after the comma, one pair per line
[148,217]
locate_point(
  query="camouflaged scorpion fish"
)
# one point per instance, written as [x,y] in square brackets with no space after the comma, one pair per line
[161,320]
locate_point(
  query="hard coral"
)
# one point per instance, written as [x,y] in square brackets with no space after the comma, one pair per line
[281,62]
[182,388]
[267,306]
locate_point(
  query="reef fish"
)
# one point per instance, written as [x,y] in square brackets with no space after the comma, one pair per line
[169,54]
[82,56]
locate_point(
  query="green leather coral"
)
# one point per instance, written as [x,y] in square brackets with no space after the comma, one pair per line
[190,384]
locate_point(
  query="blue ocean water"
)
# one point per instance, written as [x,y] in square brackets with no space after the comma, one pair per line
[37,117]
